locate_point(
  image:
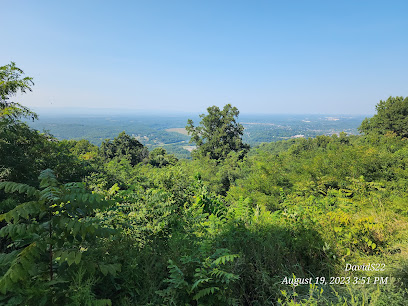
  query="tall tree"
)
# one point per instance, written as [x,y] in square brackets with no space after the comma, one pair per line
[24,152]
[124,146]
[392,116]
[218,133]
[158,157]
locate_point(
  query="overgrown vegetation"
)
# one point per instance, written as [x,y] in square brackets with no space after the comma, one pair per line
[118,225]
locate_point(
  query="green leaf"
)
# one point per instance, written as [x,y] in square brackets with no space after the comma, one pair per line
[76,228]
[71,258]
[78,257]
[104,269]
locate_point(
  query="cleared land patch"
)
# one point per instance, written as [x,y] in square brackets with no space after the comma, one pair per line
[178,130]
[189,148]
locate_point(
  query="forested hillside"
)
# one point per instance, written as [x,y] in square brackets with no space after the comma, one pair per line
[317,221]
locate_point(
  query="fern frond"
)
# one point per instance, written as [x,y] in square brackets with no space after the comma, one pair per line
[7,258]
[226,277]
[24,210]
[20,268]
[47,178]
[200,281]
[11,187]
[50,193]
[18,230]
[204,292]
[225,258]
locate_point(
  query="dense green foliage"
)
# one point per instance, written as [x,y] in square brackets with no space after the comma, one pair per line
[218,133]
[51,231]
[124,146]
[392,116]
[26,152]
[143,228]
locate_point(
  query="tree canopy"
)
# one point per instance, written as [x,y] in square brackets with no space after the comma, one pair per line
[158,157]
[25,152]
[218,133]
[11,83]
[392,116]
[124,146]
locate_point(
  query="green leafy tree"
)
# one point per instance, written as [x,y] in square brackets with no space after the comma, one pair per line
[158,157]
[218,134]
[392,116]
[82,148]
[25,153]
[12,83]
[124,146]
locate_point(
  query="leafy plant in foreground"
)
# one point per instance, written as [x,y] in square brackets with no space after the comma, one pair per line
[48,233]
[210,283]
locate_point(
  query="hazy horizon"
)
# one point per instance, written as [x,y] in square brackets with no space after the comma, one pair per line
[62,111]
[262,57]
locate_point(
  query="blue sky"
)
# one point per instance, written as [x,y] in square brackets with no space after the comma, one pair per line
[261,56]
